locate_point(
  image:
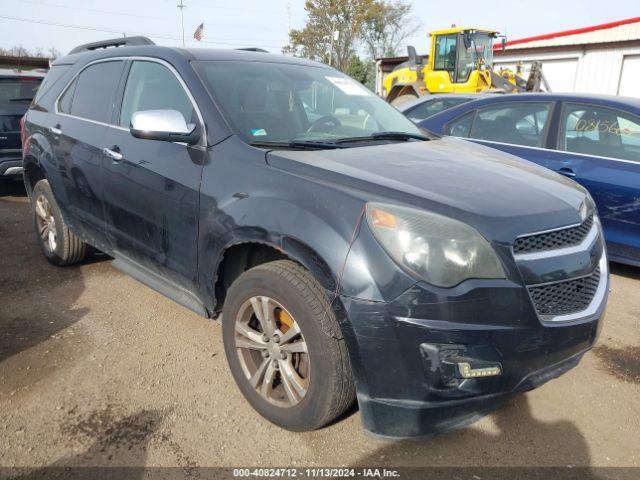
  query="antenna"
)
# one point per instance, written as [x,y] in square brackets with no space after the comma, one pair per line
[182,6]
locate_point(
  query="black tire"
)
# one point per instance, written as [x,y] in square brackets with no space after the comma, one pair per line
[68,248]
[403,99]
[330,384]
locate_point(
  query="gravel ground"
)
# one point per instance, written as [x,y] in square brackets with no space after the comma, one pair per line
[97,369]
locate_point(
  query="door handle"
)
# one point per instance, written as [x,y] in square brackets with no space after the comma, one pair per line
[55,130]
[113,153]
[567,172]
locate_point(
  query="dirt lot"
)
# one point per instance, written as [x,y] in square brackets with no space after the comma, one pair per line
[97,369]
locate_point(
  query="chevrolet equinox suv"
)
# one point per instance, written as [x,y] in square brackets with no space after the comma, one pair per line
[348,253]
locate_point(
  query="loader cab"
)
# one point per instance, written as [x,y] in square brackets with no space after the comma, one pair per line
[458,52]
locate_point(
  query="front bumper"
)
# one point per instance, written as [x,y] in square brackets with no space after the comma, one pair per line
[406,353]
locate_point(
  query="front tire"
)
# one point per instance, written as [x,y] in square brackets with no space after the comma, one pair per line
[285,348]
[58,244]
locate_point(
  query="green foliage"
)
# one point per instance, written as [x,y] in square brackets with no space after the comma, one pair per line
[336,28]
[358,69]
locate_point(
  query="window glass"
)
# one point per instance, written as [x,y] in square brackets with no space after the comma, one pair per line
[152,86]
[600,131]
[95,91]
[431,107]
[460,127]
[287,102]
[478,50]
[446,53]
[64,104]
[521,123]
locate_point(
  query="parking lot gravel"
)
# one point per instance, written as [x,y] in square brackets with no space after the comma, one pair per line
[98,370]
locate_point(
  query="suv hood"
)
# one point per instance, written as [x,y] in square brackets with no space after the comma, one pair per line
[499,194]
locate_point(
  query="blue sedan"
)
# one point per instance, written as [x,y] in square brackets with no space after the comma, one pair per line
[595,140]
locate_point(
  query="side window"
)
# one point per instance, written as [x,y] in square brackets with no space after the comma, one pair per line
[95,91]
[600,131]
[64,104]
[152,86]
[461,126]
[523,123]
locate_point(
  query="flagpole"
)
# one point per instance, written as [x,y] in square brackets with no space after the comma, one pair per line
[182,6]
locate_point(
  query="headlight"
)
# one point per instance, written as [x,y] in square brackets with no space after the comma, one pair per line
[442,251]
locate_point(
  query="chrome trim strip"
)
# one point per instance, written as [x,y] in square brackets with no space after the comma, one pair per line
[565,152]
[586,243]
[132,58]
[596,302]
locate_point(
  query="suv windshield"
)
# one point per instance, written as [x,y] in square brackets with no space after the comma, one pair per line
[278,102]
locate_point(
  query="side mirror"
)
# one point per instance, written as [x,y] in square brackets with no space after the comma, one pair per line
[165,125]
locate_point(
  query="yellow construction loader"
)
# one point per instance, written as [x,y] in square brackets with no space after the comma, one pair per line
[460,61]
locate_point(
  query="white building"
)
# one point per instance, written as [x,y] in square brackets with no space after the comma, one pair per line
[599,59]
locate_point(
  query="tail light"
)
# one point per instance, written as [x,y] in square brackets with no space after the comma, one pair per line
[23,137]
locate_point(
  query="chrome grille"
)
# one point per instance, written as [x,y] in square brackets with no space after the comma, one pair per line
[555,239]
[562,298]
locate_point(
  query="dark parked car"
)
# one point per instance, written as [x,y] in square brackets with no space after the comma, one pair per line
[594,140]
[429,105]
[17,89]
[347,255]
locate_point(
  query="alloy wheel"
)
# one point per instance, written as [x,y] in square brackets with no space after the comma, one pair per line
[46,223]
[272,351]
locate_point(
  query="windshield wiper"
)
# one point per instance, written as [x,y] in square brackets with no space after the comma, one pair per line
[385,136]
[302,144]
[23,99]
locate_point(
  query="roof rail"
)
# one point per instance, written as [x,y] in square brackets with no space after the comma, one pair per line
[253,49]
[114,42]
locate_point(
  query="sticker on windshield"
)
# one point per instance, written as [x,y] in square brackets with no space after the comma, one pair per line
[348,86]
[258,132]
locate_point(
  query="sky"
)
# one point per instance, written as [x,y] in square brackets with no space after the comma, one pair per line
[64,24]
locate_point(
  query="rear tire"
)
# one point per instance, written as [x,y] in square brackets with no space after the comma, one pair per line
[319,370]
[59,244]
[403,99]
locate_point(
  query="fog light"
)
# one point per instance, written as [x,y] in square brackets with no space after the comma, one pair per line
[467,372]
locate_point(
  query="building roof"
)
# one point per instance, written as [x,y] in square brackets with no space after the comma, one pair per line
[619,31]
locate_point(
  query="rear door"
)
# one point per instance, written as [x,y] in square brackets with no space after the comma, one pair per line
[519,128]
[16,93]
[599,147]
[151,191]
[84,112]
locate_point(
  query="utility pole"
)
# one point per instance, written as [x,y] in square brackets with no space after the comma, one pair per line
[182,6]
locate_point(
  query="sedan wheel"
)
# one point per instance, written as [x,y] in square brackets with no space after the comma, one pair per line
[46,223]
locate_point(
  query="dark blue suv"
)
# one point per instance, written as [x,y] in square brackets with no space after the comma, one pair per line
[593,139]
[348,253]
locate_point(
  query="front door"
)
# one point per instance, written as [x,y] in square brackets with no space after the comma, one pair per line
[151,188]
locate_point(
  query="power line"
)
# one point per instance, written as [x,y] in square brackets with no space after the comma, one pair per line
[129,33]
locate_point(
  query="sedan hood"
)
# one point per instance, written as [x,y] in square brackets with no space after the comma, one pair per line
[501,195]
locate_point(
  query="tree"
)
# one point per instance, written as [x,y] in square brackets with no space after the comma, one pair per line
[332,31]
[20,51]
[386,25]
[358,69]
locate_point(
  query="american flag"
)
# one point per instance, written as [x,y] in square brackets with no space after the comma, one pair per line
[199,33]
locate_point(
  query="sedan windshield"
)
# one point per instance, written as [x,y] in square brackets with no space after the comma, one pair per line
[298,104]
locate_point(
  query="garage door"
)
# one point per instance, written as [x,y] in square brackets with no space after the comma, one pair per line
[560,73]
[629,85]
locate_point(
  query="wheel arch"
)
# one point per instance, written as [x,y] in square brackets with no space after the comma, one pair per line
[239,256]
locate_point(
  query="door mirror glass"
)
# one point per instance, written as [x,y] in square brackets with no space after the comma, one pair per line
[166,125]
